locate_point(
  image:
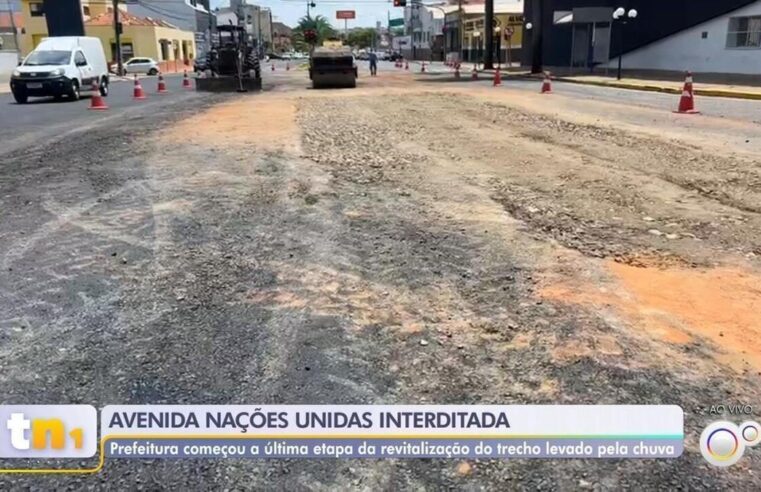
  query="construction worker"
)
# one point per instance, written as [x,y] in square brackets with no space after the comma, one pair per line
[373,58]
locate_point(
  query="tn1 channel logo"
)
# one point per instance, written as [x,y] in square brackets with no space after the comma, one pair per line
[48,431]
[723,443]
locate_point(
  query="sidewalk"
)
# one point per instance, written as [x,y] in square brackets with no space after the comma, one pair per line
[669,87]
[737,91]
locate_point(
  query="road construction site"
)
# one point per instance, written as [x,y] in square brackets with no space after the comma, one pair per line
[418,239]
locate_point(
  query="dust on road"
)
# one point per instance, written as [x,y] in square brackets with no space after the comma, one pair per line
[401,243]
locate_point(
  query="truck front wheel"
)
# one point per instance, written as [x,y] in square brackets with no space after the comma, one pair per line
[74,91]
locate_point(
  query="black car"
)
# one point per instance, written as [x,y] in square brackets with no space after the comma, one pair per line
[395,56]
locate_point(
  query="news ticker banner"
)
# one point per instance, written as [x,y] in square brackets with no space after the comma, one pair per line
[336,431]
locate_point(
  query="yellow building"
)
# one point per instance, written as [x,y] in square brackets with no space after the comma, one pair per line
[508,34]
[465,34]
[146,37]
[36,28]
[173,48]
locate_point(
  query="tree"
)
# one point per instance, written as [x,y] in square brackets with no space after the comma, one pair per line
[319,24]
[362,37]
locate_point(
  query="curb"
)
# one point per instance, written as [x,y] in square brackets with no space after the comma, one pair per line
[659,88]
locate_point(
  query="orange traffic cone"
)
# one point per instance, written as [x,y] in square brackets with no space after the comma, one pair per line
[547,84]
[96,101]
[687,101]
[406,65]
[422,67]
[138,91]
[457,71]
[287,65]
[273,67]
[186,81]
[474,73]
[161,89]
[497,77]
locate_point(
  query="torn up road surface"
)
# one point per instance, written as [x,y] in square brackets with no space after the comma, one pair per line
[402,243]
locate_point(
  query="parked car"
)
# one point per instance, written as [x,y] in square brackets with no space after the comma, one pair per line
[138,65]
[61,66]
[395,56]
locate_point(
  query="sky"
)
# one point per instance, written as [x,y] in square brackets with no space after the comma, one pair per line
[289,12]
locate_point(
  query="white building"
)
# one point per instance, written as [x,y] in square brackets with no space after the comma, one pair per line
[424,25]
[257,21]
[727,44]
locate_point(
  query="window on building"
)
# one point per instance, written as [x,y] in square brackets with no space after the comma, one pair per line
[36,9]
[86,10]
[744,32]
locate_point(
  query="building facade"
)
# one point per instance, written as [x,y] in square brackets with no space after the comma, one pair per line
[11,25]
[281,38]
[62,18]
[465,32]
[149,37]
[425,27]
[172,47]
[700,35]
[257,21]
[728,44]
[187,15]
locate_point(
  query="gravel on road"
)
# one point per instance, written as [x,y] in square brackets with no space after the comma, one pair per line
[326,250]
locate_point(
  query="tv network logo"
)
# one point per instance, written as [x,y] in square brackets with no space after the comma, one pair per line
[48,431]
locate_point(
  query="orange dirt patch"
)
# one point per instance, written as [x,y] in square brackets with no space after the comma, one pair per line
[600,345]
[722,305]
[265,122]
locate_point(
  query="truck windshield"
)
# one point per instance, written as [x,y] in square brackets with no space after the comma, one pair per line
[48,58]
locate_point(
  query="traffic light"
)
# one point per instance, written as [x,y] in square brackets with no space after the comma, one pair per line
[400,3]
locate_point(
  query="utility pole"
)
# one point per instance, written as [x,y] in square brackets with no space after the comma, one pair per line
[259,36]
[537,43]
[208,38]
[489,34]
[460,27]
[390,36]
[117,38]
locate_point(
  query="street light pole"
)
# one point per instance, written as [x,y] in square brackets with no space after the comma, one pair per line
[620,49]
[117,39]
[489,34]
[621,15]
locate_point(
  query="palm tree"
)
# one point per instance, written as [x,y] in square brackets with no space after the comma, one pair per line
[319,24]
